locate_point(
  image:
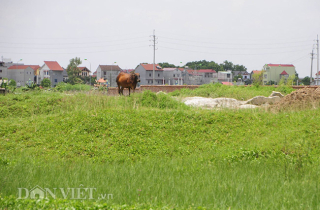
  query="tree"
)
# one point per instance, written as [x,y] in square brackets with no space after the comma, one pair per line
[46,83]
[73,71]
[228,65]
[167,65]
[290,80]
[258,78]
[306,80]
[282,81]
[239,68]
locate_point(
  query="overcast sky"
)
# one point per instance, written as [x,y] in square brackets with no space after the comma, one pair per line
[246,32]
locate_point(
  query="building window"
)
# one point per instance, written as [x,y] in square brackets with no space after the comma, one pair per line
[150,75]
[55,80]
[0,77]
[174,75]
[228,75]
[158,75]
[104,73]
[265,76]
[0,70]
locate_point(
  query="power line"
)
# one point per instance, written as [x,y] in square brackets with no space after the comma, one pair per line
[65,38]
[258,40]
[74,52]
[228,43]
[232,48]
[72,43]
[221,53]
[73,47]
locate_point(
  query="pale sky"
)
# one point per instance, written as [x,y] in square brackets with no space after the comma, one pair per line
[246,32]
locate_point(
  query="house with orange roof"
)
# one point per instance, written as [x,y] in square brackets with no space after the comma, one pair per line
[274,72]
[51,70]
[23,74]
[146,74]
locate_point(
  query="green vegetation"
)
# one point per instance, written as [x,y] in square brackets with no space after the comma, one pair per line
[69,87]
[12,83]
[306,80]
[237,92]
[46,83]
[74,71]
[226,65]
[152,152]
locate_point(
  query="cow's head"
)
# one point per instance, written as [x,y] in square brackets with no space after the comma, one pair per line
[136,76]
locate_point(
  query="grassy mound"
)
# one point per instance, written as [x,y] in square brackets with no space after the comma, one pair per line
[151,151]
[237,92]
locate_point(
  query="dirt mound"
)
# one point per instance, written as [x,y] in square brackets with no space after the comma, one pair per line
[306,97]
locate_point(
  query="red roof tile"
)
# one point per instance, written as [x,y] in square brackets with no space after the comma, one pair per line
[149,67]
[282,65]
[256,72]
[34,67]
[284,73]
[207,71]
[53,65]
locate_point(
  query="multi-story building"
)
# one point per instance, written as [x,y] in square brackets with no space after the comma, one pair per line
[173,76]
[146,74]
[3,70]
[274,72]
[225,76]
[51,70]
[208,75]
[108,73]
[4,65]
[23,74]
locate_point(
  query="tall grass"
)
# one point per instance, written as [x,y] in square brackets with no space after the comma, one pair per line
[175,183]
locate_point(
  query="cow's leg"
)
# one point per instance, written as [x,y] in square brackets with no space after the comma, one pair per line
[119,89]
[129,91]
[122,90]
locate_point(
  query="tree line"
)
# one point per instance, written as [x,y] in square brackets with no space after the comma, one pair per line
[226,65]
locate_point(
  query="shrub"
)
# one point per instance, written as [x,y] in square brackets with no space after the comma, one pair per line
[12,83]
[46,83]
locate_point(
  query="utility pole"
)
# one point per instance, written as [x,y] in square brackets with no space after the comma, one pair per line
[311,67]
[154,55]
[110,79]
[317,59]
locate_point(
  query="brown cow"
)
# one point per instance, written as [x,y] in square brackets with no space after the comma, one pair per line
[125,80]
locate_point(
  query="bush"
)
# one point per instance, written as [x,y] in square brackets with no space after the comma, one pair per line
[46,83]
[161,101]
[12,83]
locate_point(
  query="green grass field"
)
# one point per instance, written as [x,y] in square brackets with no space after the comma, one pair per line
[150,151]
